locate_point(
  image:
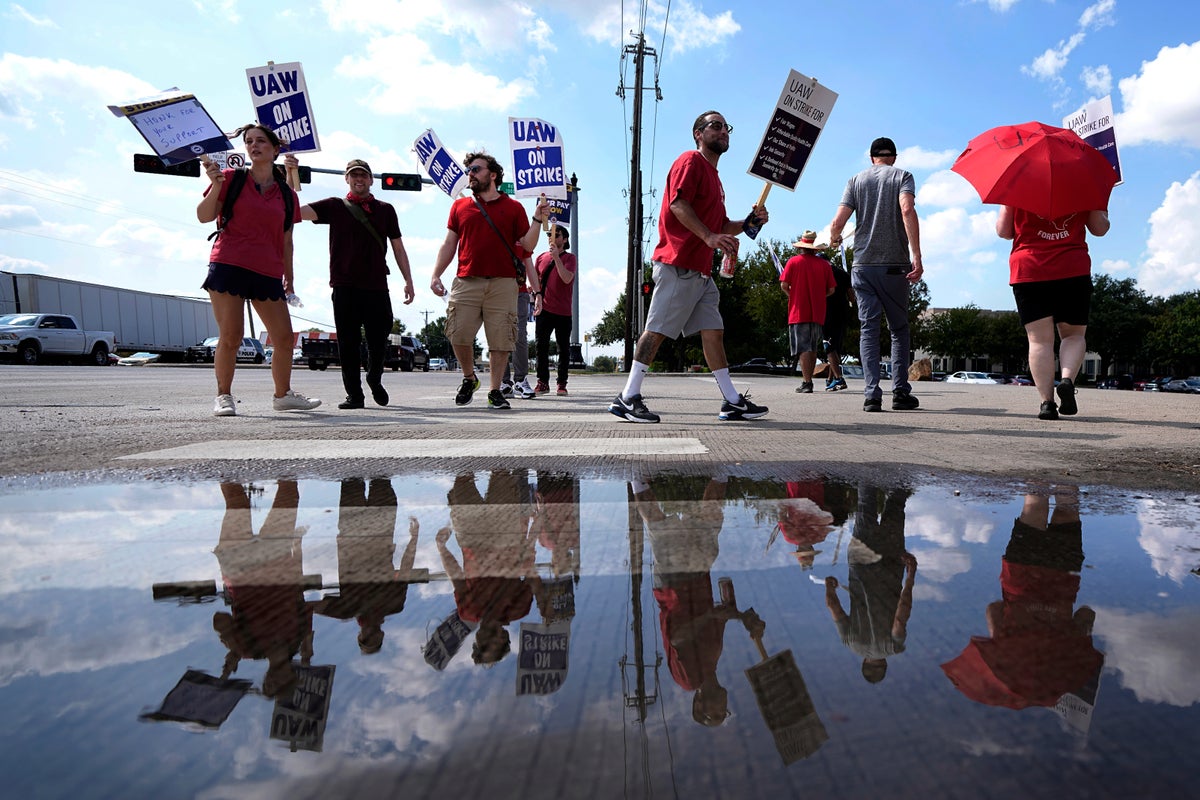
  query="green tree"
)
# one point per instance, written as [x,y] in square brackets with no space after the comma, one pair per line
[434,337]
[604,364]
[399,327]
[1174,337]
[957,333]
[1006,341]
[1119,321]
[611,327]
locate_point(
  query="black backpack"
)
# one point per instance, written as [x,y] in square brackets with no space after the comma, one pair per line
[236,182]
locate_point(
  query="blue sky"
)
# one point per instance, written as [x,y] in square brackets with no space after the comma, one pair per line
[930,75]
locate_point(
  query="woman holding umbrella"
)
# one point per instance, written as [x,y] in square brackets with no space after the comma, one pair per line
[1050,274]
[1052,187]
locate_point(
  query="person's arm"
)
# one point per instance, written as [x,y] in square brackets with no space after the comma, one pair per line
[530,239]
[308,213]
[402,263]
[840,218]
[912,229]
[786,287]
[289,285]
[1097,222]
[206,210]
[725,239]
[832,602]
[904,607]
[1004,223]
[564,274]
[445,254]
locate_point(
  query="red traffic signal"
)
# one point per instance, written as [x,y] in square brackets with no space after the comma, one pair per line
[647,288]
[400,181]
[155,166]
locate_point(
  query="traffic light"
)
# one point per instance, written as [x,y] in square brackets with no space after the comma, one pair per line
[647,289]
[155,166]
[305,174]
[400,181]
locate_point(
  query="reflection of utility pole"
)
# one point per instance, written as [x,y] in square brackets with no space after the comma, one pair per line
[640,700]
[633,277]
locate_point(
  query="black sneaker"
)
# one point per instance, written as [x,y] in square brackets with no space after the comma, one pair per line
[742,409]
[904,401]
[807,388]
[351,402]
[875,404]
[378,393]
[496,399]
[1048,410]
[1066,398]
[467,390]
[632,410]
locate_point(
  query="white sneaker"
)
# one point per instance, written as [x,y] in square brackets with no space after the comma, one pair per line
[225,406]
[294,401]
[523,390]
[506,389]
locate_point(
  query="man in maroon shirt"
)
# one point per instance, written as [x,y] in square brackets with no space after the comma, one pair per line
[359,229]
[691,224]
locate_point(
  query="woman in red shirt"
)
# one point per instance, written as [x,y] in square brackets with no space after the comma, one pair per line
[1050,274]
[252,260]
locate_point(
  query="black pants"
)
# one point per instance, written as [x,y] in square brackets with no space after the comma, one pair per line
[560,326]
[355,310]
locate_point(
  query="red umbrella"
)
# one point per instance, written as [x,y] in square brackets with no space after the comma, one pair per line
[1048,171]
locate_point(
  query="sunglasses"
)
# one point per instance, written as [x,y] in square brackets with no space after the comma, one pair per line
[718,125]
[474,169]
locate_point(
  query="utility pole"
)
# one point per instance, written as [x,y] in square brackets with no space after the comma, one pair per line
[633,280]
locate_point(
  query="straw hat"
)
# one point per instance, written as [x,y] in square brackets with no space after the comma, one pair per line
[808,242]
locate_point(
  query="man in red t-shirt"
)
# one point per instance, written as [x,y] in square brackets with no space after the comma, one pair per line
[691,224]
[486,230]
[807,280]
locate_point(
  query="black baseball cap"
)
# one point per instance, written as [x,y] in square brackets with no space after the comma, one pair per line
[883,146]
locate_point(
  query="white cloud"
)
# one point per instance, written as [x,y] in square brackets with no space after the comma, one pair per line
[1162,103]
[1099,15]
[1098,80]
[1111,267]
[1049,64]
[1154,655]
[1173,264]
[25,81]
[19,216]
[18,12]
[1000,5]
[689,27]
[911,158]
[224,10]
[1167,535]
[946,189]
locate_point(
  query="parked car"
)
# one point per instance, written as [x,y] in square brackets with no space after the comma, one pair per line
[438,364]
[970,377]
[760,366]
[251,350]
[1183,385]
[1021,380]
[1116,382]
[412,354]
[138,359]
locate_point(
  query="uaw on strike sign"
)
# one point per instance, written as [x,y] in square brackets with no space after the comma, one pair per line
[281,103]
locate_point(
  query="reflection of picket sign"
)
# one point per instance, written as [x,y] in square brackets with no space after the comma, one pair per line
[446,641]
[542,659]
[559,601]
[786,706]
[175,126]
[300,717]
[537,153]
[281,103]
[441,167]
[200,699]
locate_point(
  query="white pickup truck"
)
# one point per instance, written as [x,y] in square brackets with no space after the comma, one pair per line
[34,337]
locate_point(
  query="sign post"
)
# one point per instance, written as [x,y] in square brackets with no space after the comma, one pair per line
[799,117]
[281,103]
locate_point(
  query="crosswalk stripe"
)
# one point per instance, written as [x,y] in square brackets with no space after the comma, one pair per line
[301,449]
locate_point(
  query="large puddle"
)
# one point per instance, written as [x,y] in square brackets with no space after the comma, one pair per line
[520,634]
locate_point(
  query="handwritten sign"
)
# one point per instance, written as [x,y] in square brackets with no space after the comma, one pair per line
[537,154]
[542,660]
[441,167]
[175,126]
[281,103]
[1094,124]
[798,119]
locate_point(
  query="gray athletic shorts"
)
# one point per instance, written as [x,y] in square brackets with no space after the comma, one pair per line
[684,302]
[805,337]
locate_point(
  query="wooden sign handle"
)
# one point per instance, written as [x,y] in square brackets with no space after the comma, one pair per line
[762,198]
[293,178]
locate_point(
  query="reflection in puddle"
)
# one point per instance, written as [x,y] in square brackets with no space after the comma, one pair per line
[531,634]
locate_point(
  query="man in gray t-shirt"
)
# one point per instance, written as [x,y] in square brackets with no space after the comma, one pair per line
[883,200]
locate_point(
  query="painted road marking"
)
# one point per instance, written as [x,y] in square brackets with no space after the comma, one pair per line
[302,449]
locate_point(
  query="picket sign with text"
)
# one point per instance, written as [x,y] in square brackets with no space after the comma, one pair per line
[281,103]
[1094,124]
[175,126]
[537,157]
[441,167]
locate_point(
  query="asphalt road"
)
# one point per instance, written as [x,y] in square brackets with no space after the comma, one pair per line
[71,423]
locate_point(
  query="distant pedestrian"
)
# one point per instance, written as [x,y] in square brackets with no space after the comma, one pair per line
[887,258]
[807,280]
[556,270]
[837,314]
[691,224]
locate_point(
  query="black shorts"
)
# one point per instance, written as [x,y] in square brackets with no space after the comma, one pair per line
[242,282]
[1068,300]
